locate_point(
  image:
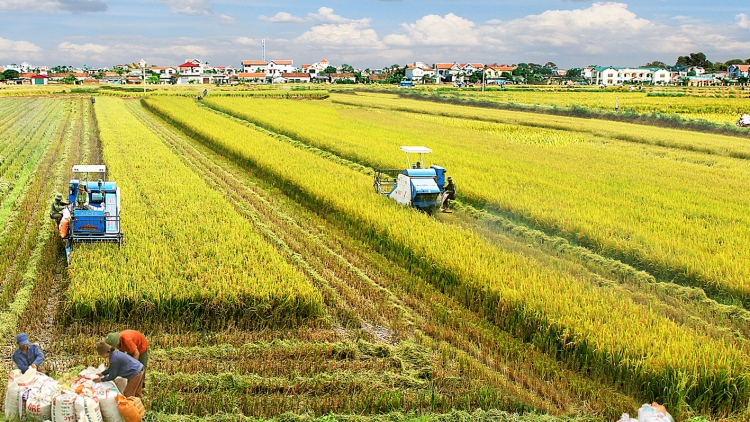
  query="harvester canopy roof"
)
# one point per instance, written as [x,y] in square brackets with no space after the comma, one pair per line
[418,150]
[94,168]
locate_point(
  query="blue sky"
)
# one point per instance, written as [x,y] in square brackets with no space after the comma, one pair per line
[371,33]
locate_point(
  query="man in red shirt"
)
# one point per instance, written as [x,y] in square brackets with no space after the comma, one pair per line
[133,343]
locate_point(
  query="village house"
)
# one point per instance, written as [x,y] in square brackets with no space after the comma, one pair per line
[612,75]
[316,68]
[335,77]
[469,68]
[254,66]
[296,77]
[497,73]
[738,71]
[447,71]
[419,71]
[252,77]
[276,68]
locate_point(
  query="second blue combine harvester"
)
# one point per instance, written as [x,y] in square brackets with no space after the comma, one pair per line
[416,186]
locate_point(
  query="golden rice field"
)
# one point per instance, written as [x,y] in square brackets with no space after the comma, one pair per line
[588,266]
[624,200]
[725,109]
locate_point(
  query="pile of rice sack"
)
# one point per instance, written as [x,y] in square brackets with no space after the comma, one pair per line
[37,397]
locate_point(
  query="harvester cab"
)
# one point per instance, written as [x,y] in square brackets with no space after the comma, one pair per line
[417,186]
[94,208]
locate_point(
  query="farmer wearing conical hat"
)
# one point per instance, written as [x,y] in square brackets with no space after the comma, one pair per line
[55,210]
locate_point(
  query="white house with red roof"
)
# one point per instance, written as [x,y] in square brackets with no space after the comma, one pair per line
[447,71]
[469,68]
[254,66]
[303,77]
[739,70]
[418,71]
[316,68]
[277,68]
[253,77]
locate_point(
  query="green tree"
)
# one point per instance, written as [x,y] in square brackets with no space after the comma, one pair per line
[475,77]
[574,73]
[2,77]
[345,68]
[70,79]
[153,79]
[695,59]
[329,70]
[11,74]
[656,63]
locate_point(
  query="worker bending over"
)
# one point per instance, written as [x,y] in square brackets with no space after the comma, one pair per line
[448,194]
[133,343]
[27,355]
[121,365]
[56,209]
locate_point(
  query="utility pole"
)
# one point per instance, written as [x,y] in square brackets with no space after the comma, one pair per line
[143,73]
[483,82]
[263,42]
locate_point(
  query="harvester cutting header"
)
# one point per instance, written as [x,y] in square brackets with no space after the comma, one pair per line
[421,187]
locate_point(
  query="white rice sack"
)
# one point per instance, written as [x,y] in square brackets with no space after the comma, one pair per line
[39,407]
[107,393]
[88,406]
[11,395]
[63,407]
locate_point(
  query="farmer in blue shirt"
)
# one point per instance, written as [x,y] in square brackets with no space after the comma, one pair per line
[27,355]
[121,365]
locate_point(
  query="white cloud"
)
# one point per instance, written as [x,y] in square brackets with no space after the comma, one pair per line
[355,34]
[605,32]
[189,7]
[81,48]
[226,19]
[284,17]
[14,50]
[436,31]
[324,15]
[742,21]
[52,6]
[246,41]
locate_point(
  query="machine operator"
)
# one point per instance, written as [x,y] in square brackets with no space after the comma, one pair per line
[82,199]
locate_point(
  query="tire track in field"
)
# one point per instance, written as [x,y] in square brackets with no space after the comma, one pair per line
[418,303]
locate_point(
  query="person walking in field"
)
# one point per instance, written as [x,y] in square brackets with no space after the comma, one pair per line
[121,365]
[27,355]
[133,343]
[56,209]
[448,194]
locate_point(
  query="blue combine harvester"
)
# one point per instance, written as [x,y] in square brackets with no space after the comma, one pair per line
[94,208]
[415,186]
